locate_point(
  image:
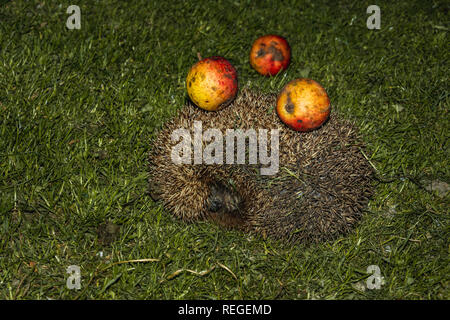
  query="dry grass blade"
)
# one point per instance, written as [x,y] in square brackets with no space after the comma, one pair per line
[197,273]
[227,269]
[134,261]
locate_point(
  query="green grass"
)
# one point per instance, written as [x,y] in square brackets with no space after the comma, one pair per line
[78,110]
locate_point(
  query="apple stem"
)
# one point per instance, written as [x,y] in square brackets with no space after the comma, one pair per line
[199,56]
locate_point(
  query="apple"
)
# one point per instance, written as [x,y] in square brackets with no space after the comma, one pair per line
[270,54]
[303,104]
[212,83]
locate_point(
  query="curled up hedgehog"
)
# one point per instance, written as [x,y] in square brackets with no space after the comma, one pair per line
[317,190]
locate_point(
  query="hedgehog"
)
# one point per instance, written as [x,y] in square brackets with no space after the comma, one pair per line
[320,191]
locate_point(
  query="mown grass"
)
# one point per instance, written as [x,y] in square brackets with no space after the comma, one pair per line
[78,110]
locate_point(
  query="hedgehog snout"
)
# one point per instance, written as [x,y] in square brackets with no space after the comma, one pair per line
[223,198]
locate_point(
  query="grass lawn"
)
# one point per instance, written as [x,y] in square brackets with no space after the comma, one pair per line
[78,110]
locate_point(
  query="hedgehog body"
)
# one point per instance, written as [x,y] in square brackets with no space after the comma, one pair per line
[320,191]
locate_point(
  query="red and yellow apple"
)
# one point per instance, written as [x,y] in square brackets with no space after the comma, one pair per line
[270,54]
[212,83]
[303,104]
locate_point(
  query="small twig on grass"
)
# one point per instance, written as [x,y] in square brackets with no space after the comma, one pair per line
[383,179]
[395,178]
[368,160]
[132,261]
[201,273]
[412,240]
[228,269]
[19,286]
[280,291]
[179,271]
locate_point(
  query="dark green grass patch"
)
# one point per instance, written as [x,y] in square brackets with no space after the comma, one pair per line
[78,110]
